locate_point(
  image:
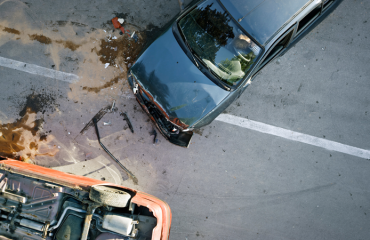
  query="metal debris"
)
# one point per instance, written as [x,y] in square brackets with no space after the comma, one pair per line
[132,176]
[124,115]
[113,106]
[154,133]
[97,116]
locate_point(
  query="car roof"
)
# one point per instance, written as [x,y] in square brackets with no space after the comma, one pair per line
[262,19]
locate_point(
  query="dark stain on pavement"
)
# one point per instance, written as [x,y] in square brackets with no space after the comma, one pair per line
[37,102]
[69,44]
[11,30]
[106,85]
[11,141]
[40,38]
[46,40]
[11,135]
[113,49]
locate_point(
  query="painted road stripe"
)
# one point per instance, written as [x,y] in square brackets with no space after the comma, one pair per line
[295,136]
[37,70]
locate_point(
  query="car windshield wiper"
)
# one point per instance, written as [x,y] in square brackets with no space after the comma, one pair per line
[187,44]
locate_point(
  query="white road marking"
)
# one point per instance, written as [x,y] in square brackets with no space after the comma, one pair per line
[295,136]
[37,70]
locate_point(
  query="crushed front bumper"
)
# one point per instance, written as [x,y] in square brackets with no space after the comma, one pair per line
[169,130]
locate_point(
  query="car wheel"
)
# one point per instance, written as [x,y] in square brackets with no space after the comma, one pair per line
[109,196]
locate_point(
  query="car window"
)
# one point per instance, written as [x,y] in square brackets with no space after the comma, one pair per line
[218,42]
[304,22]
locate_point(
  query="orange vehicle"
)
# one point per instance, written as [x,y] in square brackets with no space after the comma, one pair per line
[42,203]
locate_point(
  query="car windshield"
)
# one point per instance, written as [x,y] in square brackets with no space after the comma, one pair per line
[217,41]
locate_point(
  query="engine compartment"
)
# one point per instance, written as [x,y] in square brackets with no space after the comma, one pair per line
[34,209]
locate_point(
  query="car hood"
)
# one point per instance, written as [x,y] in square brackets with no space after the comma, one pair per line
[166,73]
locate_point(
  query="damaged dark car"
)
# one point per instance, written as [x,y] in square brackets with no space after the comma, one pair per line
[210,54]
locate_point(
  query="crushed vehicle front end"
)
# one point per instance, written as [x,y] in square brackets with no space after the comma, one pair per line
[171,128]
[42,203]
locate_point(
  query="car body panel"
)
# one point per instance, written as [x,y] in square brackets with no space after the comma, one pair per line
[68,184]
[263,18]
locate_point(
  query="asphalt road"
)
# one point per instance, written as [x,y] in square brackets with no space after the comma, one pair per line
[232,182]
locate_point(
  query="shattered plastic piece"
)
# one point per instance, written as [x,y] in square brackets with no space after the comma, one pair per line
[134,36]
[121,20]
[106,65]
[128,58]
[107,123]
[114,37]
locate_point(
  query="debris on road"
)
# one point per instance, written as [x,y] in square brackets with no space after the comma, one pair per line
[132,176]
[113,108]
[117,25]
[97,116]
[134,36]
[154,133]
[125,117]
[107,123]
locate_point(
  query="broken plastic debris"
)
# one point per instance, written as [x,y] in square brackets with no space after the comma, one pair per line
[128,58]
[106,65]
[104,31]
[134,36]
[114,37]
[107,123]
[121,20]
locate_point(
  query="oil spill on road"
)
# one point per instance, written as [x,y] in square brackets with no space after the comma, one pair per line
[40,38]
[111,50]
[11,30]
[106,85]
[46,40]
[69,44]
[22,138]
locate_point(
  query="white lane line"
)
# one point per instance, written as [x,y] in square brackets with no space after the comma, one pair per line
[37,70]
[295,136]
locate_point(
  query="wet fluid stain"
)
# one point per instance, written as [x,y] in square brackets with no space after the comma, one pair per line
[11,140]
[11,135]
[37,103]
[106,85]
[40,38]
[69,44]
[124,47]
[11,30]
[46,40]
